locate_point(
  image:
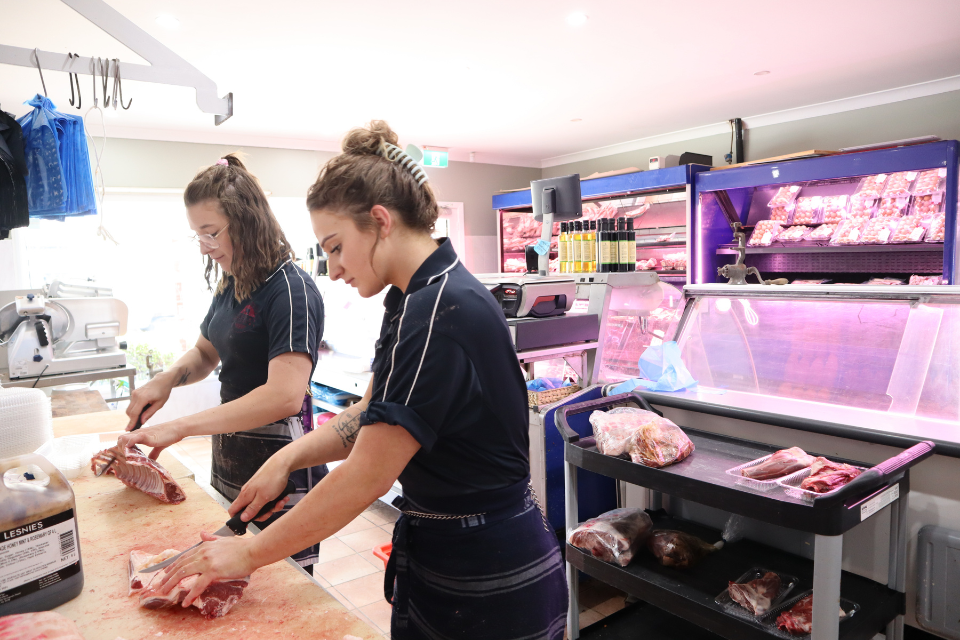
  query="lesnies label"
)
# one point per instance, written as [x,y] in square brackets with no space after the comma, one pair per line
[37,555]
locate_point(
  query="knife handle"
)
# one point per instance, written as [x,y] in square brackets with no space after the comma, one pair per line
[239,527]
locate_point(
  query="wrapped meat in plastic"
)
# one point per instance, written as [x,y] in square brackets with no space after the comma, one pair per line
[892,207]
[646,265]
[850,230]
[870,187]
[678,549]
[926,280]
[798,621]
[614,536]
[807,210]
[780,214]
[899,184]
[931,181]
[764,233]
[926,206]
[878,230]
[794,234]
[885,282]
[936,232]
[861,208]
[834,208]
[780,464]
[823,232]
[910,229]
[648,439]
[757,595]
[826,476]
[785,196]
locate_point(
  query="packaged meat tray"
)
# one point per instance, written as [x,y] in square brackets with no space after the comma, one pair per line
[861,208]
[756,592]
[764,233]
[821,281]
[910,229]
[850,230]
[937,228]
[807,210]
[885,282]
[932,181]
[898,185]
[926,206]
[822,478]
[893,207]
[926,280]
[679,549]
[823,232]
[834,209]
[794,618]
[794,234]
[761,474]
[878,230]
[785,196]
[647,438]
[780,214]
[615,536]
[870,187]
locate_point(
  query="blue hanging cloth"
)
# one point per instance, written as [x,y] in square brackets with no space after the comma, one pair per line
[60,182]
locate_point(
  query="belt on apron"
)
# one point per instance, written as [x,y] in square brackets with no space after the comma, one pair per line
[510,504]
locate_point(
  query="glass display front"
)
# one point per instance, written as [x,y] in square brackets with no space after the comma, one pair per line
[891,355]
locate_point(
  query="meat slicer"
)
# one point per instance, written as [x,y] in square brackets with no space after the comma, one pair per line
[50,335]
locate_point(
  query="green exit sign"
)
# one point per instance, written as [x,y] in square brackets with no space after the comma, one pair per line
[433,158]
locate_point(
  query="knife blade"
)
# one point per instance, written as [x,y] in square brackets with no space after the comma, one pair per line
[234,527]
[113,458]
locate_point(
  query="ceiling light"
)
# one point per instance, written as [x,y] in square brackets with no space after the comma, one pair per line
[576,19]
[762,73]
[576,120]
[167,21]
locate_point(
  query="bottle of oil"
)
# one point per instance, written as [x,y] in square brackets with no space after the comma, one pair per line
[631,246]
[588,248]
[40,564]
[605,246]
[577,259]
[562,247]
[622,242]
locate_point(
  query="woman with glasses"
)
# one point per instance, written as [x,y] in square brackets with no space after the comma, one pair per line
[263,327]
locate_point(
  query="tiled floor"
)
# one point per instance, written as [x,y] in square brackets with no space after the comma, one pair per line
[350,572]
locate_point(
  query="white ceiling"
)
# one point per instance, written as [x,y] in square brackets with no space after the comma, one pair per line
[501,78]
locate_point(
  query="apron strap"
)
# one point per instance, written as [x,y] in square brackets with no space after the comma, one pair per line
[395,576]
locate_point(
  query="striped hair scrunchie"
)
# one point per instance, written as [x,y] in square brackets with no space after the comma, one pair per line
[395,154]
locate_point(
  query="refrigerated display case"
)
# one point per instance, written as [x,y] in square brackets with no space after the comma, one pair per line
[658,201]
[846,218]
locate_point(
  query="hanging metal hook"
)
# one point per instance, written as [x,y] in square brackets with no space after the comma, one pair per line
[72,76]
[93,65]
[116,66]
[105,79]
[119,83]
[36,53]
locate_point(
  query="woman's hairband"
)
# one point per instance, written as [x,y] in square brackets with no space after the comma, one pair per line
[405,159]
[223,161]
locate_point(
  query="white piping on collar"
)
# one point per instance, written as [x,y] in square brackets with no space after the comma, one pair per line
[434,278]
[278,269]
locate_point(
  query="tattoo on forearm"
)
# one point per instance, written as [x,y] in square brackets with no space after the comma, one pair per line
[347,427]
[183,379]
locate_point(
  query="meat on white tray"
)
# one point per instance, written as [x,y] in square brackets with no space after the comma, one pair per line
[757,595]
[798,621]
[826,476]
[782,463]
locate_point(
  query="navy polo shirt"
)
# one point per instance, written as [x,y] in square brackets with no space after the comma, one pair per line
[282,315]
[446,371]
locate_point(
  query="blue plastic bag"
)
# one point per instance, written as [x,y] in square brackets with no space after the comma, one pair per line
[664,370]
[60,182]
[543,384]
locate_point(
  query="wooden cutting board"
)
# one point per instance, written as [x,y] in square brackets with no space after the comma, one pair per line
[280,602]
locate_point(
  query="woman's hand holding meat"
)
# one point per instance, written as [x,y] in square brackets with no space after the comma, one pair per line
[216,559]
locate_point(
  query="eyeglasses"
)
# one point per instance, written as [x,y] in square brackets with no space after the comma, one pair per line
[209,240]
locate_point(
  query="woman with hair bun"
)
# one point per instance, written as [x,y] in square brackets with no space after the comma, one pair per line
[263,327]
[446,413]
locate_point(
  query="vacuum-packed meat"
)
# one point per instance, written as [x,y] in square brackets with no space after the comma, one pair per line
[43,625]
[678,549]
[215,601]
[142,473]
[798,621]
[780,464]
[826,476]
[647,438]
[614,536]
[757,595]
[926,280]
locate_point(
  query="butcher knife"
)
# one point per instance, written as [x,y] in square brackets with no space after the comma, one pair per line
[234,527]
[113,459]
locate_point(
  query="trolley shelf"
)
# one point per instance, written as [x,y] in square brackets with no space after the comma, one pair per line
[690,593]
[702,478]
[656,624]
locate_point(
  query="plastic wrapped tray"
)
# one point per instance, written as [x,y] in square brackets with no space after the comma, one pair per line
[764,233]
[824,232]
[787,584]
[899,184]
[791,485]
[780,214]
[807,210]
[937,230]
[932,181]
[870,187]
[759,485]
[769,619]
[834,209]
[785,196]
[861,208]
[849,231]
[794,234]
[910,229]
[878,230]
[893,207]
[928,205]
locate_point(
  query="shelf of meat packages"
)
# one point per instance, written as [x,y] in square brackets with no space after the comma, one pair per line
[702,477]
[813,247]
[691,592]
